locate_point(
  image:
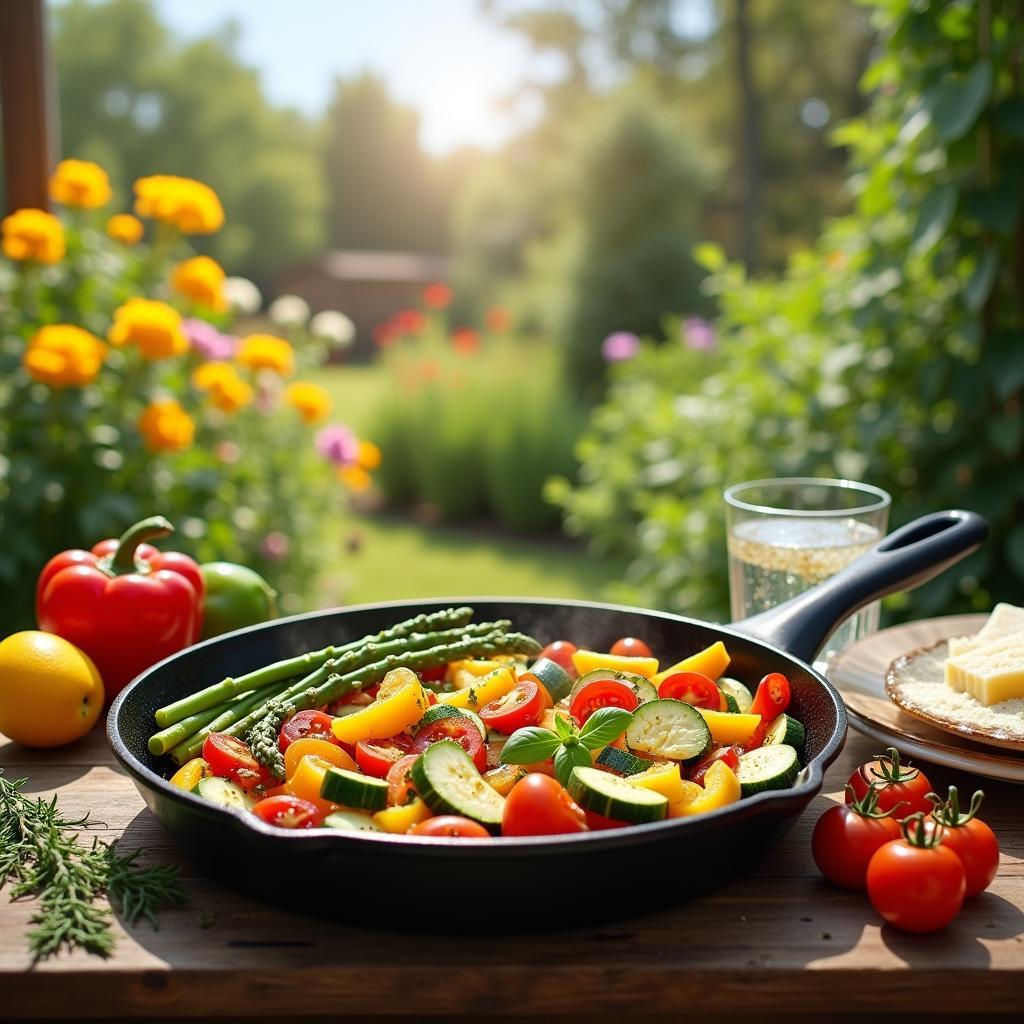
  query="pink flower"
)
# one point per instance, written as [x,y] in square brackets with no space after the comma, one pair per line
[228,452]
[338,445]
[276,546]
[620,346]
[698,334]
[208,341]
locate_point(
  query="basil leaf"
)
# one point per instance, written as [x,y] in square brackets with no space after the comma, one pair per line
[564,727]
[567,758]
[529,745]
[603,726]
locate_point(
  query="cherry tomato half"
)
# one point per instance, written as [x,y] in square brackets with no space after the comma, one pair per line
[845,840]
[772,697]
[692,688]
[451,826]
[230,758]
[561,652]
[288,812]
[602,693]
[730,755]
[520,707]
[459,728]
[375,757]
[314,724]
[433,675]
[896,783]
[630,647]
[539,806]
[400,785]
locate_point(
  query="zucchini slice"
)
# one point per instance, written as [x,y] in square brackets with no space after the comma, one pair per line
[448,783]
[622,761]
[669,730]
[731,706]
[616,798]
[353,789]
[772,767]
[738,692]
[643,688]
[786,729]
[351,821]
[436,712]
[224,792]
[556,680]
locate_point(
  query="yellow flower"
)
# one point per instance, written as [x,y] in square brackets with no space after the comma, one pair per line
[33,235]
[355,478]
[125,228]
[62,356]
[369,455]
[265,352]
[190,206]
[312,401]
[165,426]
[225,387]
[80,183]
[200,279]
[154,328]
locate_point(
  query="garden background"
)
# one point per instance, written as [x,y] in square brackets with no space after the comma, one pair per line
[727,239]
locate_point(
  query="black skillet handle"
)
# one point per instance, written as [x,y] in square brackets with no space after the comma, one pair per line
[908,557]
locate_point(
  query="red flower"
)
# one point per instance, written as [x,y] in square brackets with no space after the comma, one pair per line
[409,321]
[384,335]
[498,319]
[466,341]
[437,296]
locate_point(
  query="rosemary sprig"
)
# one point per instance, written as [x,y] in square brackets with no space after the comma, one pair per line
[41,856]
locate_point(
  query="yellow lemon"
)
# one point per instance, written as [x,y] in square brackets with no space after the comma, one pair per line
[50,691]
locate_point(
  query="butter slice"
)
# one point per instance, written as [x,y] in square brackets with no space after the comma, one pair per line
[991,673]
[1005,621]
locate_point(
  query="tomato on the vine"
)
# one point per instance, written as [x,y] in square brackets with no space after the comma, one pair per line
[694,689]
[518,708]
[630,647]
[772,696]
[231,759]
[313,724]
[288,812]
[561,652]
[375,757]
[451,826]
[602,693]
[969,838]
[916,883]
[539,805]
[896,783]
[460,728]
[847,836]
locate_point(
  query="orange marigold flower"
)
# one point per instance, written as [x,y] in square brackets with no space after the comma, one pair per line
[213,374]
[62,356]
[188,205]
[225,388]
[201,279]
[312,401]
[33,235]
[466,341]
[266,352]
[80,183]
[369,455]
[355,478]
[153,327]
[125,228]
[165,426]
[437,296]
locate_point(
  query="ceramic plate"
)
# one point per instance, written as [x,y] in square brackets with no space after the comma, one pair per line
[859,675]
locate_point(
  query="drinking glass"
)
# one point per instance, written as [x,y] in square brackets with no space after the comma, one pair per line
[787,535]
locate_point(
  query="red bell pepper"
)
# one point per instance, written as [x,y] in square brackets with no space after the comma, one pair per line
[126,604]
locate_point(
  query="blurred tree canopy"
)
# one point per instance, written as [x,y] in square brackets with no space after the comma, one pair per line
[140,101]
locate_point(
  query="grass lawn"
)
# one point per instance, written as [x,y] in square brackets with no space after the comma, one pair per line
[390,557]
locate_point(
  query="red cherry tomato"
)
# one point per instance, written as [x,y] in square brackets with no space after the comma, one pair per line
[598,822]
[561,652]
[847,836]
[772,697]
[730,755]
[433,675]
[896,783]
[692,688]
[314,724]
[230,758]
[916,883]
[459,728]
[375,757]
[288,812]
[452,826]
[539,806]
[400,785]
[630,647]
[970,839]
[520,707]
[602,693]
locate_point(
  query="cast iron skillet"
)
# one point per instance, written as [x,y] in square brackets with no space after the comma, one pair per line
[375,878]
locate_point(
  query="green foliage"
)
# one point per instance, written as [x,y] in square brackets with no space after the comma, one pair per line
[890,352]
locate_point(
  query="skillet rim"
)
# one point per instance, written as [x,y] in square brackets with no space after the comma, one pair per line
[773,802]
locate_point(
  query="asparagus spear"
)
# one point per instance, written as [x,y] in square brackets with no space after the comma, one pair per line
[263,739]
[217,694]
[162,742]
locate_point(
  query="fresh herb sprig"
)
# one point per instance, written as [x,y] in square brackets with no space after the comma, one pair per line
[41,856]
[568,745]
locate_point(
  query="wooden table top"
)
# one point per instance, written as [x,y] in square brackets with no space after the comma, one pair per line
[776,944]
